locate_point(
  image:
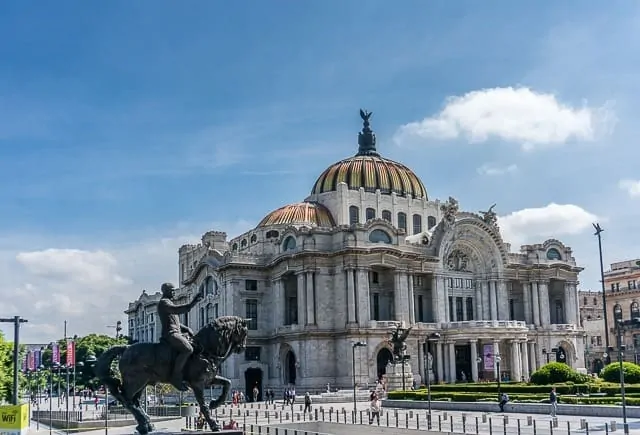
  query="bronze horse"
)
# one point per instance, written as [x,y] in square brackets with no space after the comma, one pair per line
[143,364]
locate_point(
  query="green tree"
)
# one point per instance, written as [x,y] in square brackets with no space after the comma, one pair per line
[611,373]
[6,369]
[556,373]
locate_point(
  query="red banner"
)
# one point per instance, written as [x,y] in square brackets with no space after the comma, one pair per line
[31,364]
[71,353]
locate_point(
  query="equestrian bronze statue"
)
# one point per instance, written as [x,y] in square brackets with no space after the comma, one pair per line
[143,364]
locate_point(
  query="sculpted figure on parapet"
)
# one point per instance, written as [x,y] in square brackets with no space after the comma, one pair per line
[490,217]
[450,210]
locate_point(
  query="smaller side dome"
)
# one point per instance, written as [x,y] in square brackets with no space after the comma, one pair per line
[302,213]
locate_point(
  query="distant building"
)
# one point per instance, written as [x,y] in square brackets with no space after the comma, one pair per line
[622,284]
[142,318]
[368,250]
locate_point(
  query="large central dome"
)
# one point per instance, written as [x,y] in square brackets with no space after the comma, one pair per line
[370,171]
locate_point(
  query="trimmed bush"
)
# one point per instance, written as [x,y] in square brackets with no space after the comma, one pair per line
[514,388]
[557,372]
[611,373]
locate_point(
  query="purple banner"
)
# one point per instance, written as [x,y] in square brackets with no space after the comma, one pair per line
[25,363]
[37,355]
[487,356]
[55,354]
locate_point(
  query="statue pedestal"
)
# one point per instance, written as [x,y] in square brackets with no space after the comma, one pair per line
[394,377]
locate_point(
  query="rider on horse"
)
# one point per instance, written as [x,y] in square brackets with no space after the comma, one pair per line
[174,333]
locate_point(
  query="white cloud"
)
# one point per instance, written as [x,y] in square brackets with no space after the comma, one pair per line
[90,287]
[530,225]
[491,169]
[632,187]
[518,115]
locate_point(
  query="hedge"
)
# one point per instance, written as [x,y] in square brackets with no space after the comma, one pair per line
[611,373]
[609,389]
[519,398]
[557,372]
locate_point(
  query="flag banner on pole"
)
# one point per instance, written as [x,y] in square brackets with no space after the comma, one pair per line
[55,354]
[37,358]
[71,353]
[31,362]
[25,363]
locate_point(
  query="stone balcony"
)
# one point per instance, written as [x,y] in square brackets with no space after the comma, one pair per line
[480,324]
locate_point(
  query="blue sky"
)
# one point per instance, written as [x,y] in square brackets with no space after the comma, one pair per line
[127,129]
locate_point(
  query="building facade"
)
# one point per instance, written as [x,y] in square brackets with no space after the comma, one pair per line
[366,250]
[592,321]
[622,284]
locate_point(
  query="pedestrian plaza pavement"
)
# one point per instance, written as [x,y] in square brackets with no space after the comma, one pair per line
[261,414]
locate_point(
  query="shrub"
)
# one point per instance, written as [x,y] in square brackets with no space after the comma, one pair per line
[514,388]
[557,372]
[611,373]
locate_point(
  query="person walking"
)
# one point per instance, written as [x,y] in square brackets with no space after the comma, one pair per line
[553,400]
[307,403]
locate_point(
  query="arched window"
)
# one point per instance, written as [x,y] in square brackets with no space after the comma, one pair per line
[402,221]
[553,254]
[431,222]
[209,315]
[209,284]
[635,310]
[617,312]
[254,238]
[354,215]
[371,213]
[272,234]
[289,243]
[243,243]
[584,301]
[379,236]
[234,247]
[386,215]
[417,224]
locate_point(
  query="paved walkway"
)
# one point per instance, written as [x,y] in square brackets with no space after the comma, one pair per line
[473,421]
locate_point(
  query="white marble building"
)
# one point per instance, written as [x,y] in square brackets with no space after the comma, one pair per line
[366,249]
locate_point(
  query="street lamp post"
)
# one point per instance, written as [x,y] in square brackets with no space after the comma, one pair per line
[432,337]
[497,359]
[621,349]
[17,321]
[353,362]
[51,395]
[599,230]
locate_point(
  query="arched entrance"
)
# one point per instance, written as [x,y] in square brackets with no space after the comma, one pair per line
[253,378]
[384,357]
[290,368]
[561,355]
[597,366]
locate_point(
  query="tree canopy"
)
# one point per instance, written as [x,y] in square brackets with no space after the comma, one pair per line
[6,369]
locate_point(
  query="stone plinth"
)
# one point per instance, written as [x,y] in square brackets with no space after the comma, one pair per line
[393,377]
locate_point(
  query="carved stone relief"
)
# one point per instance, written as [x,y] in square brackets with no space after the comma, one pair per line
[458,261]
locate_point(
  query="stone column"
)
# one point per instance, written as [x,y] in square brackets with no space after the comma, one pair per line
[440,362]
[362,297]
[492,300]
[300,293]
[445,293]
[351,294]
[517,361]
[526,293]
[496,353]
[411,299]
[503,300]
[311,299]
[543,296]
[278,312]
[525,361]
[452,362]
[567,304]
[436,303]
[402,291]
[533,357]
[474,357]
[465,315]
[486,300]
[478,302]
[535,303]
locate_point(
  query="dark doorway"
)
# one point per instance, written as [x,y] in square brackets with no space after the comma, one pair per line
[597,366]
[253,378]
[463,362]
[384,357]
[561,355]
[290,367]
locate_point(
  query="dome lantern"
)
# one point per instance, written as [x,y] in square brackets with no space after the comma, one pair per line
[366,138]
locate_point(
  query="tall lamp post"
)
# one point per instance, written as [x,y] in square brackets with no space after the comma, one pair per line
[17,321]
[353,362]
[429,359]
[497,359]
[599,230]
